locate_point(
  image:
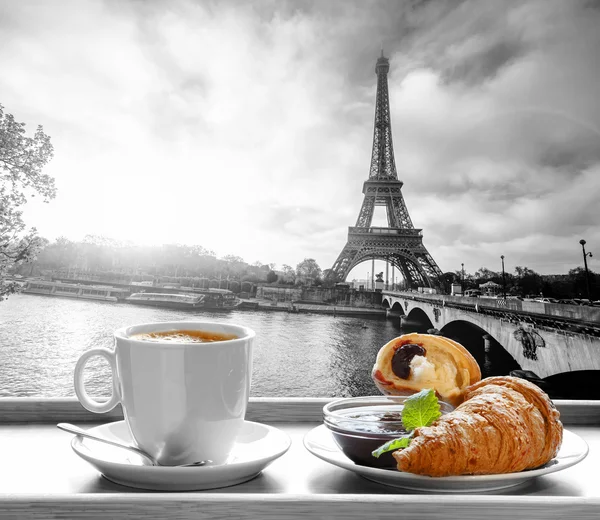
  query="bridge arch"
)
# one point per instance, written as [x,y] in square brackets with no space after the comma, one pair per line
[578,384]
[393,306]
[496,360]
[397,309]
[419,316]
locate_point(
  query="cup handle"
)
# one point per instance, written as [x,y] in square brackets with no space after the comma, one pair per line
[91,404]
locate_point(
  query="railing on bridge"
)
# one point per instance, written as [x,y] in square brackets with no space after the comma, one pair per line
[572,312]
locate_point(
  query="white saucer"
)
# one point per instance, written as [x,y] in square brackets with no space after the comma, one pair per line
[256,447]
[319,441]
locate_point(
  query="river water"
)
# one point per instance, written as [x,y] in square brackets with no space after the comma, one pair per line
[295,355]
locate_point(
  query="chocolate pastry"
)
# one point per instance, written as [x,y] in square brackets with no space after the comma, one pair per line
[412,362]
[505,425]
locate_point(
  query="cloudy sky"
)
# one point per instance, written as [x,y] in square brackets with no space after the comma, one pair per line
[246,127]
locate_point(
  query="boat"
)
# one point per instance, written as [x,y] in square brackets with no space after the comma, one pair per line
[221,298]
[171,301]
[74,290]
[210,299]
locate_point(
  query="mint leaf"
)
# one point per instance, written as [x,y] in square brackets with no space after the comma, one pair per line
[393,445]
[420,409]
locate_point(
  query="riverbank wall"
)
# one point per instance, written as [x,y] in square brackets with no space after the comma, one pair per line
[296,307]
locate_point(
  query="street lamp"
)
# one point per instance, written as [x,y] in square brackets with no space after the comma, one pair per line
[587,273]
[503,278]
[462,280]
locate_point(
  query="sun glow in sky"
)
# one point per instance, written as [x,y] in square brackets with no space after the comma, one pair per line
[246,127]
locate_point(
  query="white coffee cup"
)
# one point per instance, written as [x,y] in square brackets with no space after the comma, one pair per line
[182,402]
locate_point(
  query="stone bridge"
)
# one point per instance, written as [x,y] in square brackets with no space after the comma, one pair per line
[546,339]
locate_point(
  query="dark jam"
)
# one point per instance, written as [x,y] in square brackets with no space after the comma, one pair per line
[364,431]
[402,358]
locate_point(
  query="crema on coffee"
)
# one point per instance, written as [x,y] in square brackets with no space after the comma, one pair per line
[183,336]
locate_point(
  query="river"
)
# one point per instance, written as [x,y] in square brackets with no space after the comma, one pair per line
[295,355]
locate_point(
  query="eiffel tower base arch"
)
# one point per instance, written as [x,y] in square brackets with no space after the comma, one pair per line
[406,253]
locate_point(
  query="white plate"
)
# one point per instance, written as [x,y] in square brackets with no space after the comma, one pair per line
[256,447]
[319,441]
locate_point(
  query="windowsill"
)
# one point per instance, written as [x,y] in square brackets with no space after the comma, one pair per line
[40,476]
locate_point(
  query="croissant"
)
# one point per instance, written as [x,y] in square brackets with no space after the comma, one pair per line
[506,424]
[412,362]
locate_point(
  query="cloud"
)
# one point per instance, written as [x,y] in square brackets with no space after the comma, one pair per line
[247,128]
[500,147]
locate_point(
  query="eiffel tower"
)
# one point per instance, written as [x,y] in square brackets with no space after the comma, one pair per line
[399,244]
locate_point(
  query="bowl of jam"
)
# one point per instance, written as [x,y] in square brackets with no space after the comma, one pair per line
[360,425]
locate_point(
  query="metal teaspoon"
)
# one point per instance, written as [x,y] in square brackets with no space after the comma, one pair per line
[71,428]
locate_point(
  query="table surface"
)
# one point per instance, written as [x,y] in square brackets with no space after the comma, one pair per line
[41,476]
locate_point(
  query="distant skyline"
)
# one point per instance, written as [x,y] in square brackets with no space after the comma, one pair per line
[247,127]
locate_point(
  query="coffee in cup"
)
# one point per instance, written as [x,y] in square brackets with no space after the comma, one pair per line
[183,386]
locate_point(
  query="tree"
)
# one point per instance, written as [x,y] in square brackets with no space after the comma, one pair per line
[234,265]
[327,278]
[308,269]
[289,275]
[528,281]
[578,280]
[271,277]
[484,274]
[468,281]
[247,287]
[22,159]
[233,259]
[446,280]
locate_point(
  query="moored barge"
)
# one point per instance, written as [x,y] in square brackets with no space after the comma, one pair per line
[72,290]
[209,300]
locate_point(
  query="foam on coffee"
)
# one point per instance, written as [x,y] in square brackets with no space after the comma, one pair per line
[183,336]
